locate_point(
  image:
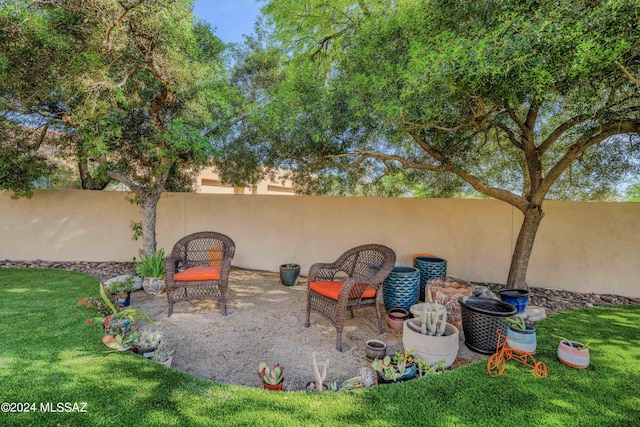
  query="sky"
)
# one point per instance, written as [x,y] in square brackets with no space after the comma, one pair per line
[230,18]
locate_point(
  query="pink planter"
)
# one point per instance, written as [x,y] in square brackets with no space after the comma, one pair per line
[571,356]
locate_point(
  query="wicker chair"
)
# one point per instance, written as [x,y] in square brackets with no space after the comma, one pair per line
[353,281]
[198,268]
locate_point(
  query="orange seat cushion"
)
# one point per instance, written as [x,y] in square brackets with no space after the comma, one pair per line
[197,273]
[332,290]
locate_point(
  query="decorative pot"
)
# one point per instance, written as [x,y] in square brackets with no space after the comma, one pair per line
[396,318]
[409,373]
[481,317]
[401,288]
[571,354]
[147,352]
[522,340]
[430,268]
[519,298]
[311,386]
[375,349]
[431,349]
[153,285]
[277,387]
[167,362]
[289,274]
[115,326]
[119,301]
[448,292]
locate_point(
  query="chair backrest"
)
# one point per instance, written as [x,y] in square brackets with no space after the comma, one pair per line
[367,260]
[204,249]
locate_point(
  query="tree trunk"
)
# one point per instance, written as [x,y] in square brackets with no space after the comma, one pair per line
[149,208]
[524,245]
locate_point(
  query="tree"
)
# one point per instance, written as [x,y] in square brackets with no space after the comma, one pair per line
[142,96]
[526,89]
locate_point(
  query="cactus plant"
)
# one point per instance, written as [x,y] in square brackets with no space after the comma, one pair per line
[433,322]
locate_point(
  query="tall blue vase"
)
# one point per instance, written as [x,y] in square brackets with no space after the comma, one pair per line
[430,268]
[401,288]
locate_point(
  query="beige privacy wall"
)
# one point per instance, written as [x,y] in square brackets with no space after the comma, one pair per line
[587,247]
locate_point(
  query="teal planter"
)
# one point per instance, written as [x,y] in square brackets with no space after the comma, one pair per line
[430,268]
[289,274]
[401,288]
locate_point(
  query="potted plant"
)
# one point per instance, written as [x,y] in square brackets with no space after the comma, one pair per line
[118,322]
[289,274]
[573,353]
[118,342]
[151,268]
[163,355]
[400,367]
[431,337]
[119,292]
[521,336]
[318,384]
[367,378]
[147,342]
[272,378]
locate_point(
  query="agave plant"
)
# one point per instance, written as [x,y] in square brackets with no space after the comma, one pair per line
[271,376]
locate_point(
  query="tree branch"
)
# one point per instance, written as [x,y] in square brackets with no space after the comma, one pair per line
[627,73]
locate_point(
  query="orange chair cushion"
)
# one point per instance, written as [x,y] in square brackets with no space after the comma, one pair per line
[197,273]
[332,289]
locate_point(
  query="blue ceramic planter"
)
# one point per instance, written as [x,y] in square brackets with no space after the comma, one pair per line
[519,298]
[401,288]
[430,268]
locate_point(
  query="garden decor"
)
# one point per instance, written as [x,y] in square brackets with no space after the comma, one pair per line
[401,288]
[375,349]
[521,335]
[430,268]
[447,292]
[430,337]
[481,317]
[151,268]
[400,367]
[289,274]
[396,318]
[573,354]
[519,298]
[498,360]
[272,378]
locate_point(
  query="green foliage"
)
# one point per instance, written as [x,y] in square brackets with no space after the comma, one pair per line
[151,266]
[55,356]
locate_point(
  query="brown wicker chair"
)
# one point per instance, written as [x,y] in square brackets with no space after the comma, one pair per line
[353,281]
[198,268]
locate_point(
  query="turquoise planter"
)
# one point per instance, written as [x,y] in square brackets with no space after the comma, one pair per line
[430,268]
[401,288]
[522,340]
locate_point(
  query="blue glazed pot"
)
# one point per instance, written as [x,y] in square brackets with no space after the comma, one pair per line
[519,298]
[430,268]
[401,288]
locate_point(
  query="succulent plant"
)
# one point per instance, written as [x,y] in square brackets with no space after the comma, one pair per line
[271,376]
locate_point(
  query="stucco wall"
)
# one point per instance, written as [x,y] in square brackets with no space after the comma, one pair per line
[587,247]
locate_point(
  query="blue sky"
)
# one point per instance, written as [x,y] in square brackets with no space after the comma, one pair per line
[231,18]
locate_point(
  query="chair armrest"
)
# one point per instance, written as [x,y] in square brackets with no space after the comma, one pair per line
[322,271]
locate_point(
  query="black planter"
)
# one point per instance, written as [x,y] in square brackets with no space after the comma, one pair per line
[289,274]
[481,318]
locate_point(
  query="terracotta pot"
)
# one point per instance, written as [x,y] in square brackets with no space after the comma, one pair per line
[277,387]
[447,292]
[431,349]
[167,362]
[396,318]
[569,355]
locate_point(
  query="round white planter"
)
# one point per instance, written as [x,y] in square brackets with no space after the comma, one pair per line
[429,348]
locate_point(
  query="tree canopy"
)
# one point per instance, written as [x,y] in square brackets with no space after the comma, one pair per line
[511,97]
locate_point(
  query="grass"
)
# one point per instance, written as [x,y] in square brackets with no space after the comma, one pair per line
[49,354]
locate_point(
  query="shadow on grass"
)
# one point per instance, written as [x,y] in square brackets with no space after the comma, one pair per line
[49,354]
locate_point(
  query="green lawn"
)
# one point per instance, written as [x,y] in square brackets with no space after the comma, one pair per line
[49,354]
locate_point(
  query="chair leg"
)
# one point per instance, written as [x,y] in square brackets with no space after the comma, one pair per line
[339,340]
[379,319]
[170,309]
[307,323]
[224,307]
